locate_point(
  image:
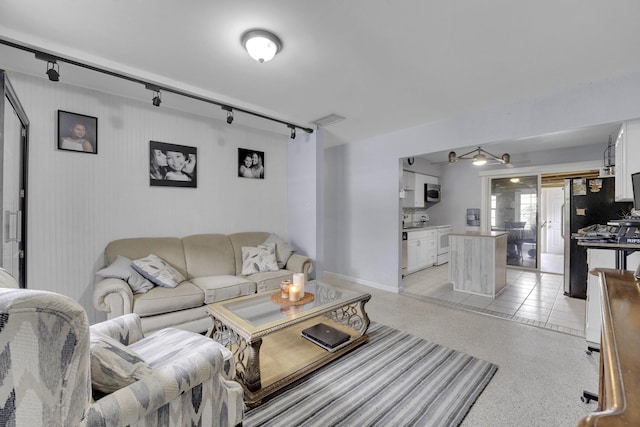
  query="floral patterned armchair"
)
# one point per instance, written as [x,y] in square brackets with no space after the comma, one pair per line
[47,363]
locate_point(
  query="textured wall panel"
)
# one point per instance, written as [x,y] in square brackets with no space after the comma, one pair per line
[79,202]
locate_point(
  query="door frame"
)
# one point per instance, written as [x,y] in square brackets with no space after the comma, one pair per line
[8,93]
[485,189]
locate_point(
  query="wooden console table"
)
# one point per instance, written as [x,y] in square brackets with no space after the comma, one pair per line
[619,385]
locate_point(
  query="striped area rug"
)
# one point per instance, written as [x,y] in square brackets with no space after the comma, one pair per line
[395,379]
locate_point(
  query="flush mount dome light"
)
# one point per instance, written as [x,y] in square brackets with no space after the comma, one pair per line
[261,44]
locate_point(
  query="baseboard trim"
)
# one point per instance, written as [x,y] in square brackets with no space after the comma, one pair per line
[359,281]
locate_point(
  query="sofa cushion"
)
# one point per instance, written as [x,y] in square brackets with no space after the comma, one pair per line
[114,365]
[158,271]
[153,348]
[270,280]
[161,300]
[283,249]
[208,255]
[219,288]
[259,258]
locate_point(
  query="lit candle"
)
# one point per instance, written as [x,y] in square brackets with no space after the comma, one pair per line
[294,293]
[284,287]
[298,281]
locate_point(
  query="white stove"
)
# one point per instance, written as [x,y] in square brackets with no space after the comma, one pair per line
[443,244]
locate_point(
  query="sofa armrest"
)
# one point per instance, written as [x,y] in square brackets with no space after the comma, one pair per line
[113,296]
[126,329]
[166,384]
[299,264]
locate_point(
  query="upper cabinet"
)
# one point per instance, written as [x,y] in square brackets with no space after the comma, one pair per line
[413,185]
[408,180]
[627,159]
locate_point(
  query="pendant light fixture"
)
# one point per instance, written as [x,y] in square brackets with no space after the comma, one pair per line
[262,45]
[480,157]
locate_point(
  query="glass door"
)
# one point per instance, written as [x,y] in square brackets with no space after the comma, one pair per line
[13,166]
[514,209]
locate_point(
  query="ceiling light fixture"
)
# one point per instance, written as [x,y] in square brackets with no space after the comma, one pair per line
[480,157]
[229,111]
[293,132]
[262,45]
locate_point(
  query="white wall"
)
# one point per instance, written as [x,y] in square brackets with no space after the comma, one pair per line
[79,202]
[361,239]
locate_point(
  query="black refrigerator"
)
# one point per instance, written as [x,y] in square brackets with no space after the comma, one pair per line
[586,202]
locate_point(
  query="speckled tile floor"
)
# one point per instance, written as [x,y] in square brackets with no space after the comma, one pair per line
[534,298]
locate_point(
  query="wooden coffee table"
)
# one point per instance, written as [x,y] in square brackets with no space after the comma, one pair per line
[264,334]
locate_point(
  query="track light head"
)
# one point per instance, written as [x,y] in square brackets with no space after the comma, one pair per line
[53,74]
[229,111]
[157,100]
[293,132]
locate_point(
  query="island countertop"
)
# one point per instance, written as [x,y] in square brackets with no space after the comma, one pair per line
[479,233]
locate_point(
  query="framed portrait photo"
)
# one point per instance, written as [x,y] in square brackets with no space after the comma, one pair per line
[77,132]
[250,163]
[172,165]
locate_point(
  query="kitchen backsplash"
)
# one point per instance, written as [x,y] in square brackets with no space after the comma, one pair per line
[411,216]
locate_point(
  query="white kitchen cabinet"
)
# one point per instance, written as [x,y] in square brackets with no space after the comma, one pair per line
[419,191]
[627,159]
[408,180]
[413,186]
[422,249]
[600,258]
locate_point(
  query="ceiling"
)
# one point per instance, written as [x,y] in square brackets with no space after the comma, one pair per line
[384,65]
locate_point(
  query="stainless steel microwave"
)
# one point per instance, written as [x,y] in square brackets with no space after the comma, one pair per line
[432,193]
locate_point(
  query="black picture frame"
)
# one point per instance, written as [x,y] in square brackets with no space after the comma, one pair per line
[179,168]
[70,135]
[257,168]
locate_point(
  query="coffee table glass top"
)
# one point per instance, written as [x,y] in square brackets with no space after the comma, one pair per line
[259,309]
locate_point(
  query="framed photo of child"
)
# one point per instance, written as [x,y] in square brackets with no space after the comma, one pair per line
[172,165]
[250,163]
[77,132]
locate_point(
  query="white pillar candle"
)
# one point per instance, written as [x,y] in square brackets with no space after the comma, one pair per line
[294,293]
[298,281]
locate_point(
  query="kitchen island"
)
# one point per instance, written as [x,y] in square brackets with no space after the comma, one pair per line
[478,262]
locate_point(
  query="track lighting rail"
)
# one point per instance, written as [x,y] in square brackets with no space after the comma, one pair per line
[152,86]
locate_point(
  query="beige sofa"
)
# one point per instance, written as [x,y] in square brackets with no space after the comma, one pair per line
[212,266]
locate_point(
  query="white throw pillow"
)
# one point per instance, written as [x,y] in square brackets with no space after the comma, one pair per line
[259,258]
[283,249]
[113,365]
[158,271]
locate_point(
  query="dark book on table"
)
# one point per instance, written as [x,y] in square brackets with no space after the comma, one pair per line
[325,336]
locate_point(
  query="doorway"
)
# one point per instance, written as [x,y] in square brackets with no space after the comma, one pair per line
[14,127]
[551,239]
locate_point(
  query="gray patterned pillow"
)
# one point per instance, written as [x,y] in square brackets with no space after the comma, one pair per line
[283,249]
[158,271]
[122,268]
[259,258]
[113,365]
